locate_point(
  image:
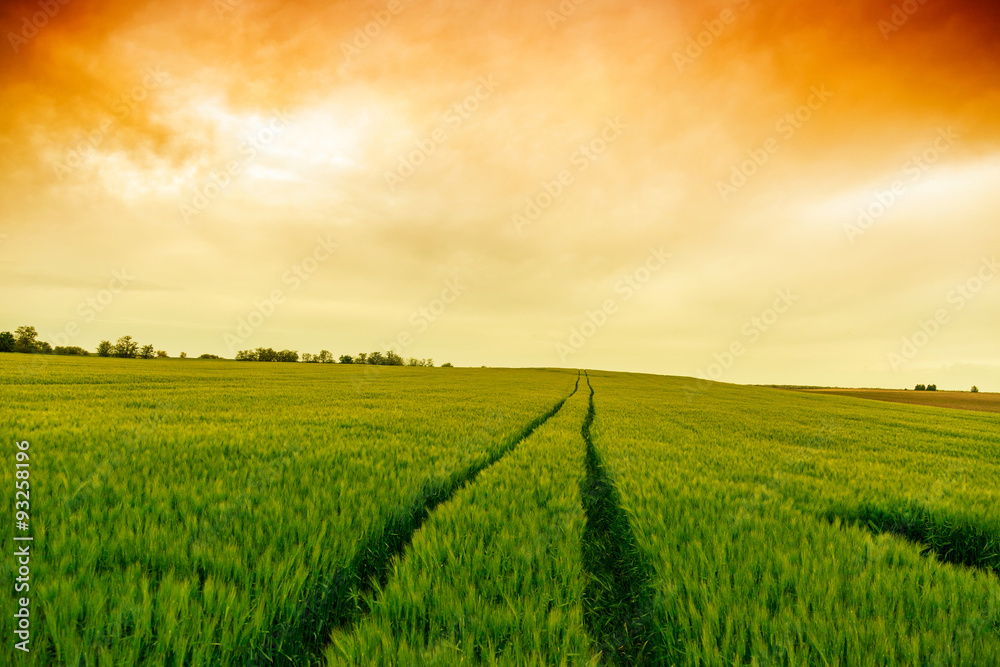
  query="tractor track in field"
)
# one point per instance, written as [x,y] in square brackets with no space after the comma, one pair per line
[337,600]
[617,601]
[955,540]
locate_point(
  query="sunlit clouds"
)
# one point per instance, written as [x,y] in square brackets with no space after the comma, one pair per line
[538,152]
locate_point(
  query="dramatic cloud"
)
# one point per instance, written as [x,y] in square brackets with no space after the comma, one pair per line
[525,160]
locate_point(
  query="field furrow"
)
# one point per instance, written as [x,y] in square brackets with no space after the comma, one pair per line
[495,576]
[726,496]
[945,534]
[211,513]
[344,601]
[618,599]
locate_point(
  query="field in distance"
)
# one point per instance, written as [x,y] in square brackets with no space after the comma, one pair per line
[959,400]
[218,513]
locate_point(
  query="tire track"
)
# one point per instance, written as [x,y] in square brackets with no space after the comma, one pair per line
[338,600]
[951,538]
[617,602]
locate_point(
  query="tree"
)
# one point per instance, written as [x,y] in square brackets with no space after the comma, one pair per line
[26,339]
[288,356]
[162,354]
[429,363]
[184,355]
[362,358]
[447,364]
[393,359]
[147,352]
[920,387]
[105,349]
[307,358]
[975,390]
[71,350]
[209,356]
[43,347]
[7,342]
[346,359]
[932,387]
[376,359]
[324,357]
[126,348]
[246,355]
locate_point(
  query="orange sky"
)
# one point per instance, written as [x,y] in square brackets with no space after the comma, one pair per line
[499,184]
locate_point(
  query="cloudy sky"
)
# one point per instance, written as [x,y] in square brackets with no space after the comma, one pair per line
[749,190]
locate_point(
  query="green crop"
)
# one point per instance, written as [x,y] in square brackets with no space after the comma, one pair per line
[495,576]
[207,512]
[215,513]
[765,519]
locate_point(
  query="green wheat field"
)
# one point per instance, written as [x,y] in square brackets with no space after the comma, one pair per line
[189,512]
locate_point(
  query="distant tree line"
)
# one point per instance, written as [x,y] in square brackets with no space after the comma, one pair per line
[267,354]
[126,348]
[389,358]
[25,340]
[933,387]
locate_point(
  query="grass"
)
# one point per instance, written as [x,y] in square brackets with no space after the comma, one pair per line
[213,513]
[198,513]
[949,535]
[618,598]
[730,493]
[371,565]
[495,576]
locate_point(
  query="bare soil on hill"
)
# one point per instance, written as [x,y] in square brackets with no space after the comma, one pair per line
[959,400]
